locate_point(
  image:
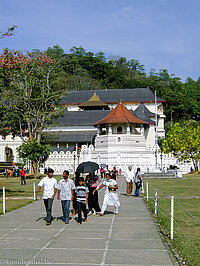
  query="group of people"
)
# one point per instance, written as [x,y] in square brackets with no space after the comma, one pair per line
[114,173]
[15,172]
[85,191]
[132,177]
[80,191]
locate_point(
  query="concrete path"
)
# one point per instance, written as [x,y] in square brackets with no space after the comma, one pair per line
[131,238]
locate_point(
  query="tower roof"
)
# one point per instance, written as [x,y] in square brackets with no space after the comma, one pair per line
[143,113]
[143,109]
[94,101]
[120,115]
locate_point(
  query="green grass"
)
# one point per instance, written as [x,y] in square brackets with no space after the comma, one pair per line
[14,204]
[184,224]
[15,189]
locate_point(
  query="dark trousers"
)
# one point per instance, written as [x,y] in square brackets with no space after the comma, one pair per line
[81,207]
[65,208]
[93,201]
[23,180]
[75,203]
[48,203]
[137,191]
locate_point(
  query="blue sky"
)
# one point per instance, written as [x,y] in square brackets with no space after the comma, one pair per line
[159,33]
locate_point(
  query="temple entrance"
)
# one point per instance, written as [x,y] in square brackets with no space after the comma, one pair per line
[8,155]
[119,130]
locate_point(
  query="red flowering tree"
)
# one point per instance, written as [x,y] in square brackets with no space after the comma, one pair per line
[31,88]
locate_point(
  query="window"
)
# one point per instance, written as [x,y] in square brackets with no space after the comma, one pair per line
[119,130]
[119,139]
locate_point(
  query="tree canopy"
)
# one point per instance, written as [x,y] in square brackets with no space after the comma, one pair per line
[183,140]
[34,152]
[86,70]
[32,86]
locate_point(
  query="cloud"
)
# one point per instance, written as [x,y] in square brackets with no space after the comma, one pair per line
[124,12]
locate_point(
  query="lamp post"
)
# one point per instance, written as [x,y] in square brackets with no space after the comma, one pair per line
[7,153]
[74,162]
[156,159]
[78,154]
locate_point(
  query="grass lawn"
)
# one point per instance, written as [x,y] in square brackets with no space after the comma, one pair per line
[14,204]
[15,189]
[186,229]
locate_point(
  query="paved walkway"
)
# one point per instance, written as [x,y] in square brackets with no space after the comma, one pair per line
[131,238]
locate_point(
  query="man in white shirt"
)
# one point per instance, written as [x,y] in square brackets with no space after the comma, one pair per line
[50,187]
[129,177]
[66,189]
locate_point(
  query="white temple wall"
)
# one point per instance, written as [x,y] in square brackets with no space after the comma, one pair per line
[61,161]
[150,137]
[120,142]
[11,143]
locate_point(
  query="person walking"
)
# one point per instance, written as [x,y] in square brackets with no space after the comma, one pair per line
[81,197]
[23,175]
[114,173]
[76,181]
[93,201]
[50,187]
[138,182]
[102,172]
[110,197]
[129,176]
[66,189]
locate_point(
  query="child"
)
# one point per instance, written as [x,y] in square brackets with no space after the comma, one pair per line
[81,198]
[111,197]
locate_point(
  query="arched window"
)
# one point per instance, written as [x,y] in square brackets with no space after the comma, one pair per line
[119,139]
[119,130]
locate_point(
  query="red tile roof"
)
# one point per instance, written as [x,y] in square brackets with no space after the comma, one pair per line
[120,115]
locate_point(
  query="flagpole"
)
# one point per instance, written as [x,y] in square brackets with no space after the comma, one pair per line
[156,133]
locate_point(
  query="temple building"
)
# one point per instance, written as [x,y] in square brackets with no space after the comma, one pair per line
[116,127]
[113,127]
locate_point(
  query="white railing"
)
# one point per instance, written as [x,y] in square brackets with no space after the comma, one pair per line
[4,198]
[60,160]
[171,213]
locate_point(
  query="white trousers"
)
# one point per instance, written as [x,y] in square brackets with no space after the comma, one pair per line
[107,202]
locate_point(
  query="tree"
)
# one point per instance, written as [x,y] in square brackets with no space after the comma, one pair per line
[183,140]
[101,56]
[136,66]
[55,52]
[78,51]
[9,32]
[34,152]
[31,89]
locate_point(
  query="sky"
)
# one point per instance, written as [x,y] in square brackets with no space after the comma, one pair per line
[161,34]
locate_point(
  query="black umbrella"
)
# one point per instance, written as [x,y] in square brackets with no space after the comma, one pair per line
[87,167]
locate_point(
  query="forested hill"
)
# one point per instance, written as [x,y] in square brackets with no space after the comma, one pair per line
[86,70]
